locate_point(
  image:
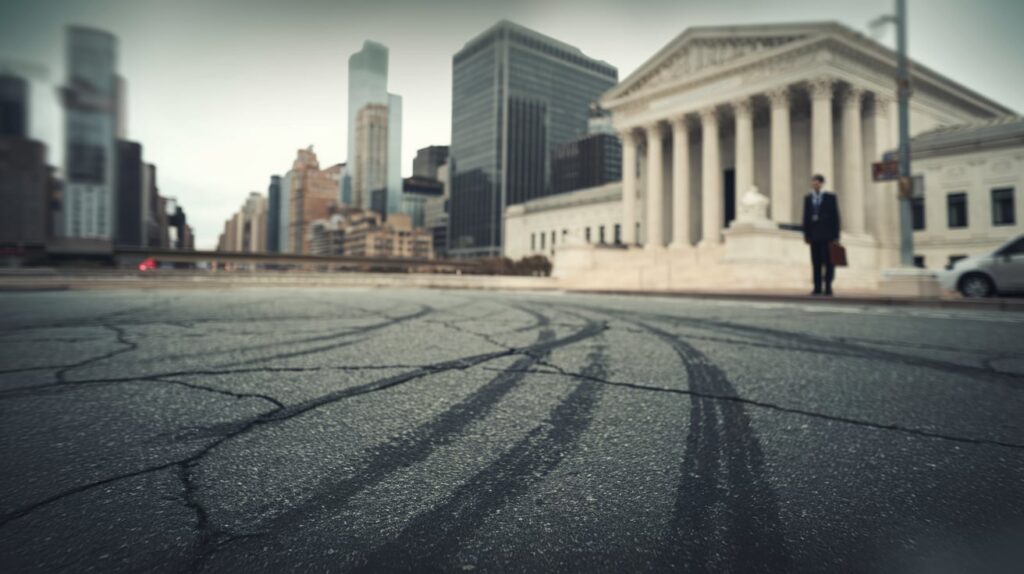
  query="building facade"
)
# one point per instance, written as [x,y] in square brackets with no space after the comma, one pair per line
[427,161]
[129,195]
[590,161]
[721,131]
[91,124]
[274,214]
[516,94]
[364,233]
[367,84]
[370,171]
[25,188]
[14,92]
[967,198]
[246,230]
[435,215]
[312,192]
[586,216]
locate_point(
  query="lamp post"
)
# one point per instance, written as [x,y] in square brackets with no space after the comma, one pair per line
[906,186]
[906,182]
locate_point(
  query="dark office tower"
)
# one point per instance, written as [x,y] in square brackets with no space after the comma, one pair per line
[590,161]
[129,195]
[13,107]
[516,94]
[274,214]
[428,160]
[90,113]
[24,191]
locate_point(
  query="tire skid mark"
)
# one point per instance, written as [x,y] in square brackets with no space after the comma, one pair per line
[417,444]
[833,347]
[433,539]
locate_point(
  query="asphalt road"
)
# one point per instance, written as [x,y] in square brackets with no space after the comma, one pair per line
[380,430]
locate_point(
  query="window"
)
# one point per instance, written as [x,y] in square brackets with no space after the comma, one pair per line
[587,234]
[917,210]
[919,261]
[618,234]
[552,239]
[542,236]
[565,233]
[600,234]
[956,208]
[533,242]
[1003,207]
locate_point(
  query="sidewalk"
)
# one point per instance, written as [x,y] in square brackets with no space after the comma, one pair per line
[951,301]
[80,279]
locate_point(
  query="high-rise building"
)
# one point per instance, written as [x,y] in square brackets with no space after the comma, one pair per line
[367,84]
[435,214]
[129,195]
[274,214]
[24,191]
[370,170]
[516,94]
[590,161]
[312,192]
[91,117]
[284,238]
[428,159]
[13,106]
[246,230]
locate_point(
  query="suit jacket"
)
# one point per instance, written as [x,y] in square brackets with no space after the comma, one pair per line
[826,228]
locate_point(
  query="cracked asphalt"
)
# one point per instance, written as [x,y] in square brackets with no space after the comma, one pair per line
[345,430]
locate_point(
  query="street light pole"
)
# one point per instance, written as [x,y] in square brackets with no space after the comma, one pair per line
[906,181]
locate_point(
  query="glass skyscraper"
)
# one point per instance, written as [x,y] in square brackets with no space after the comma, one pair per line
[515,95]
[368,84]
[90,103]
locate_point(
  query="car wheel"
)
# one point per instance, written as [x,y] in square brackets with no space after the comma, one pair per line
[976,285]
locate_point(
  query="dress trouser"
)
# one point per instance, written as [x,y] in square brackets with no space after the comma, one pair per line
[820,258]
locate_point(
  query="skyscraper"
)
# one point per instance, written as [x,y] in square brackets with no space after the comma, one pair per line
[516,94]
[367,84]
[90,104]
[274,214]
[13,106]
[428,159]
[370,171]
[129,195]
[312,192]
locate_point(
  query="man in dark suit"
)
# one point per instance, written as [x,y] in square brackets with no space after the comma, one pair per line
[821,228]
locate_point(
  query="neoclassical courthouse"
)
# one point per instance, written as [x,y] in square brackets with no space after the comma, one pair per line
[721,131]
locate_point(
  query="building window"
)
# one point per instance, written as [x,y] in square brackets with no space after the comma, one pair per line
[956,208]
[533,242]
[565,233]
[600,234]
[1003,207]
[919,261]
[542,237]
[587,234]
[618,234]
[552,239]
[917,210]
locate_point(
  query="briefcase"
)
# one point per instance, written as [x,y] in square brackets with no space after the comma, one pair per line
[837,254]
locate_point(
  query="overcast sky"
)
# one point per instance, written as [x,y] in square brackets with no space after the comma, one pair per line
[222,92]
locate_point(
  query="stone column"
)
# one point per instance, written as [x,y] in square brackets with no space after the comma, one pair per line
[711,179]
[853,163]
[782,158]
[744,146]
[655,187]
[821,129]
[680,183]
[628,187]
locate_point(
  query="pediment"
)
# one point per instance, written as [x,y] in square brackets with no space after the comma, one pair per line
[704,50]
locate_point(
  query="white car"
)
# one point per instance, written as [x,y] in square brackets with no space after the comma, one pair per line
[998,273]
